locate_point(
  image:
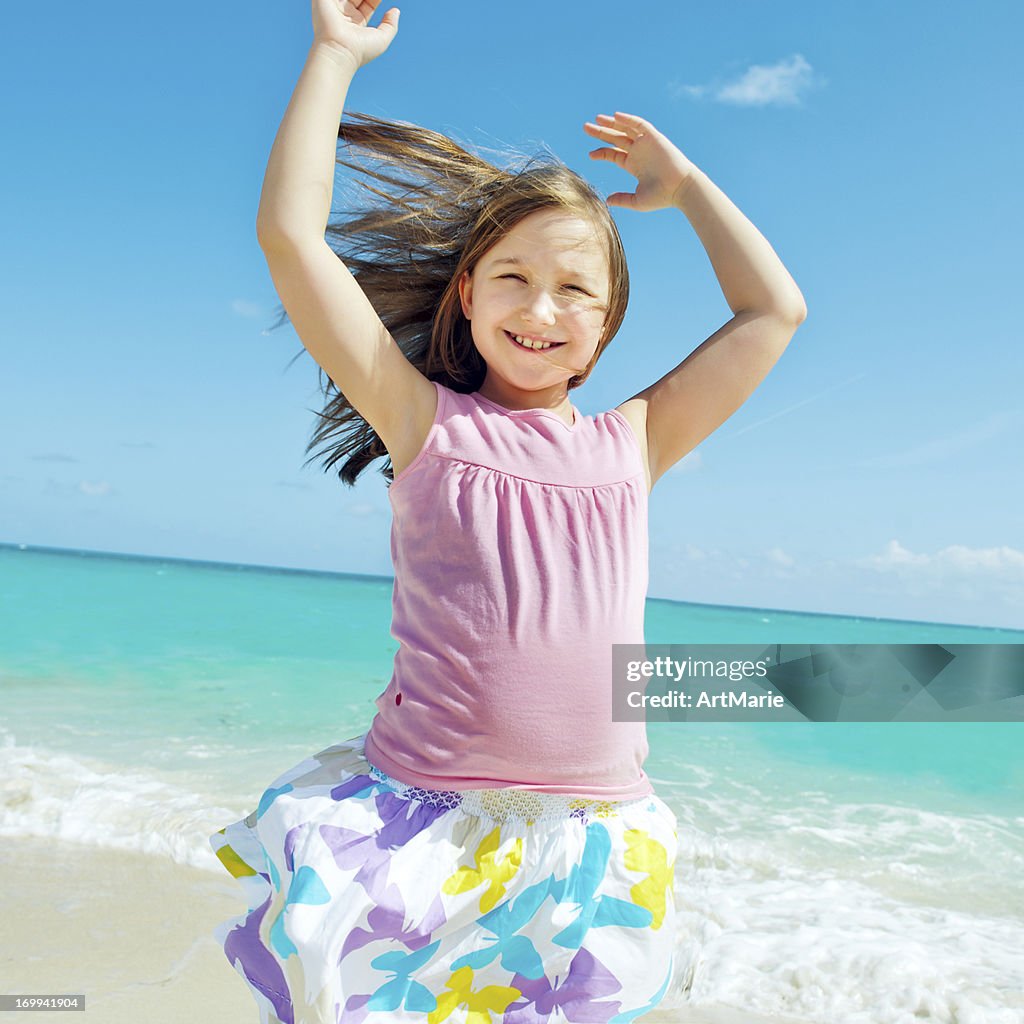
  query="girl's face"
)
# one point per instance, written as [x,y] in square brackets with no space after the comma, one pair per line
[537,302]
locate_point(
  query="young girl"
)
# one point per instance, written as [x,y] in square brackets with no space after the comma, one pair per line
[491,849]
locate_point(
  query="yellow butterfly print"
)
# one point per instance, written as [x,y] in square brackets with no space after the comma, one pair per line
[488,869]
[228,856]
[648,855]
[478,1004]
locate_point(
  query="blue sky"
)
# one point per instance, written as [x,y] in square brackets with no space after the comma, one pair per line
[877,471]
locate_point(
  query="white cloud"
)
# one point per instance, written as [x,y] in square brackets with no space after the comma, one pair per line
[779,557]
[779,84]
[973,575]
[249,310]
[996,565]
[957,584]
[1004,562]
[362,509]
[94,488]
[730,560]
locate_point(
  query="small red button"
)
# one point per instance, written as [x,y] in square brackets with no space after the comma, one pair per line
[398,699]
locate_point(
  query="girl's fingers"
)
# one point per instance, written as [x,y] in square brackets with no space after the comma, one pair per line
[617,156]
[355,12]
[361,10]
[607,134]
[610,124]
[627,199]
[631,121]
[629,124]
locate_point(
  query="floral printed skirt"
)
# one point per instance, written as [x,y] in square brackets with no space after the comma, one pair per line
[370,900]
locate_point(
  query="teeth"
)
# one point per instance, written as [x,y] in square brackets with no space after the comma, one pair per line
[527,343]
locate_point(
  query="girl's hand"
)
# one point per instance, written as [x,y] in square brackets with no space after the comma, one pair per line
[661,170]
[344,27]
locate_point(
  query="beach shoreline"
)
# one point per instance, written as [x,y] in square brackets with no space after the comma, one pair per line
[133,934]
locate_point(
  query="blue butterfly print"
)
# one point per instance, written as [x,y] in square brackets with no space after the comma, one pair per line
[402,990]
[579,887]
[306,887]
[269,796]
[518,953]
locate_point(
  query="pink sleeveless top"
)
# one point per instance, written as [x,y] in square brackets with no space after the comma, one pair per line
[520,553]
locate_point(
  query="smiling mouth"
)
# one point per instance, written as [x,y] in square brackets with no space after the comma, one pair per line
[531,345]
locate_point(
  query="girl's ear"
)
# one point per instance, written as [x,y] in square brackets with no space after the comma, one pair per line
[466,294]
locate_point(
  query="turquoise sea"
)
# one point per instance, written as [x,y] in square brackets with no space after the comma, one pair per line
[847,872]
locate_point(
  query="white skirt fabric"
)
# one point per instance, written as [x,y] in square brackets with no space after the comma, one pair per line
[373,901]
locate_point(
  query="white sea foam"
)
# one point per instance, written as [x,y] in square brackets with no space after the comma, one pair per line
[804,907]
[849,914]
[85,800]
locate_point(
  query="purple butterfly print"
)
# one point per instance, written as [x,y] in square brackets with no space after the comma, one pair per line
[358,785]
[291,838]
[387,922]
[404,819]
[355,1011]
[587,978]
[371,854]
[261,970]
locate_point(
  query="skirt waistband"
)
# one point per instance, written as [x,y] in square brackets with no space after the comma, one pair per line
[510,803]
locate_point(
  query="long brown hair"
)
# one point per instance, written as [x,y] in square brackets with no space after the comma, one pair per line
[435,210]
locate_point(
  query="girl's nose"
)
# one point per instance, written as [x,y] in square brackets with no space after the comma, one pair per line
[540,306]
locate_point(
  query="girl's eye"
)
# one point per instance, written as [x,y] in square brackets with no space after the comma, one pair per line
[579,289]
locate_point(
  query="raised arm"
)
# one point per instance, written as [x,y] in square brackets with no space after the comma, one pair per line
[705,389]
[334,319]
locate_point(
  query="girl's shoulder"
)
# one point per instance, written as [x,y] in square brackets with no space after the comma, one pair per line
[634,412]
